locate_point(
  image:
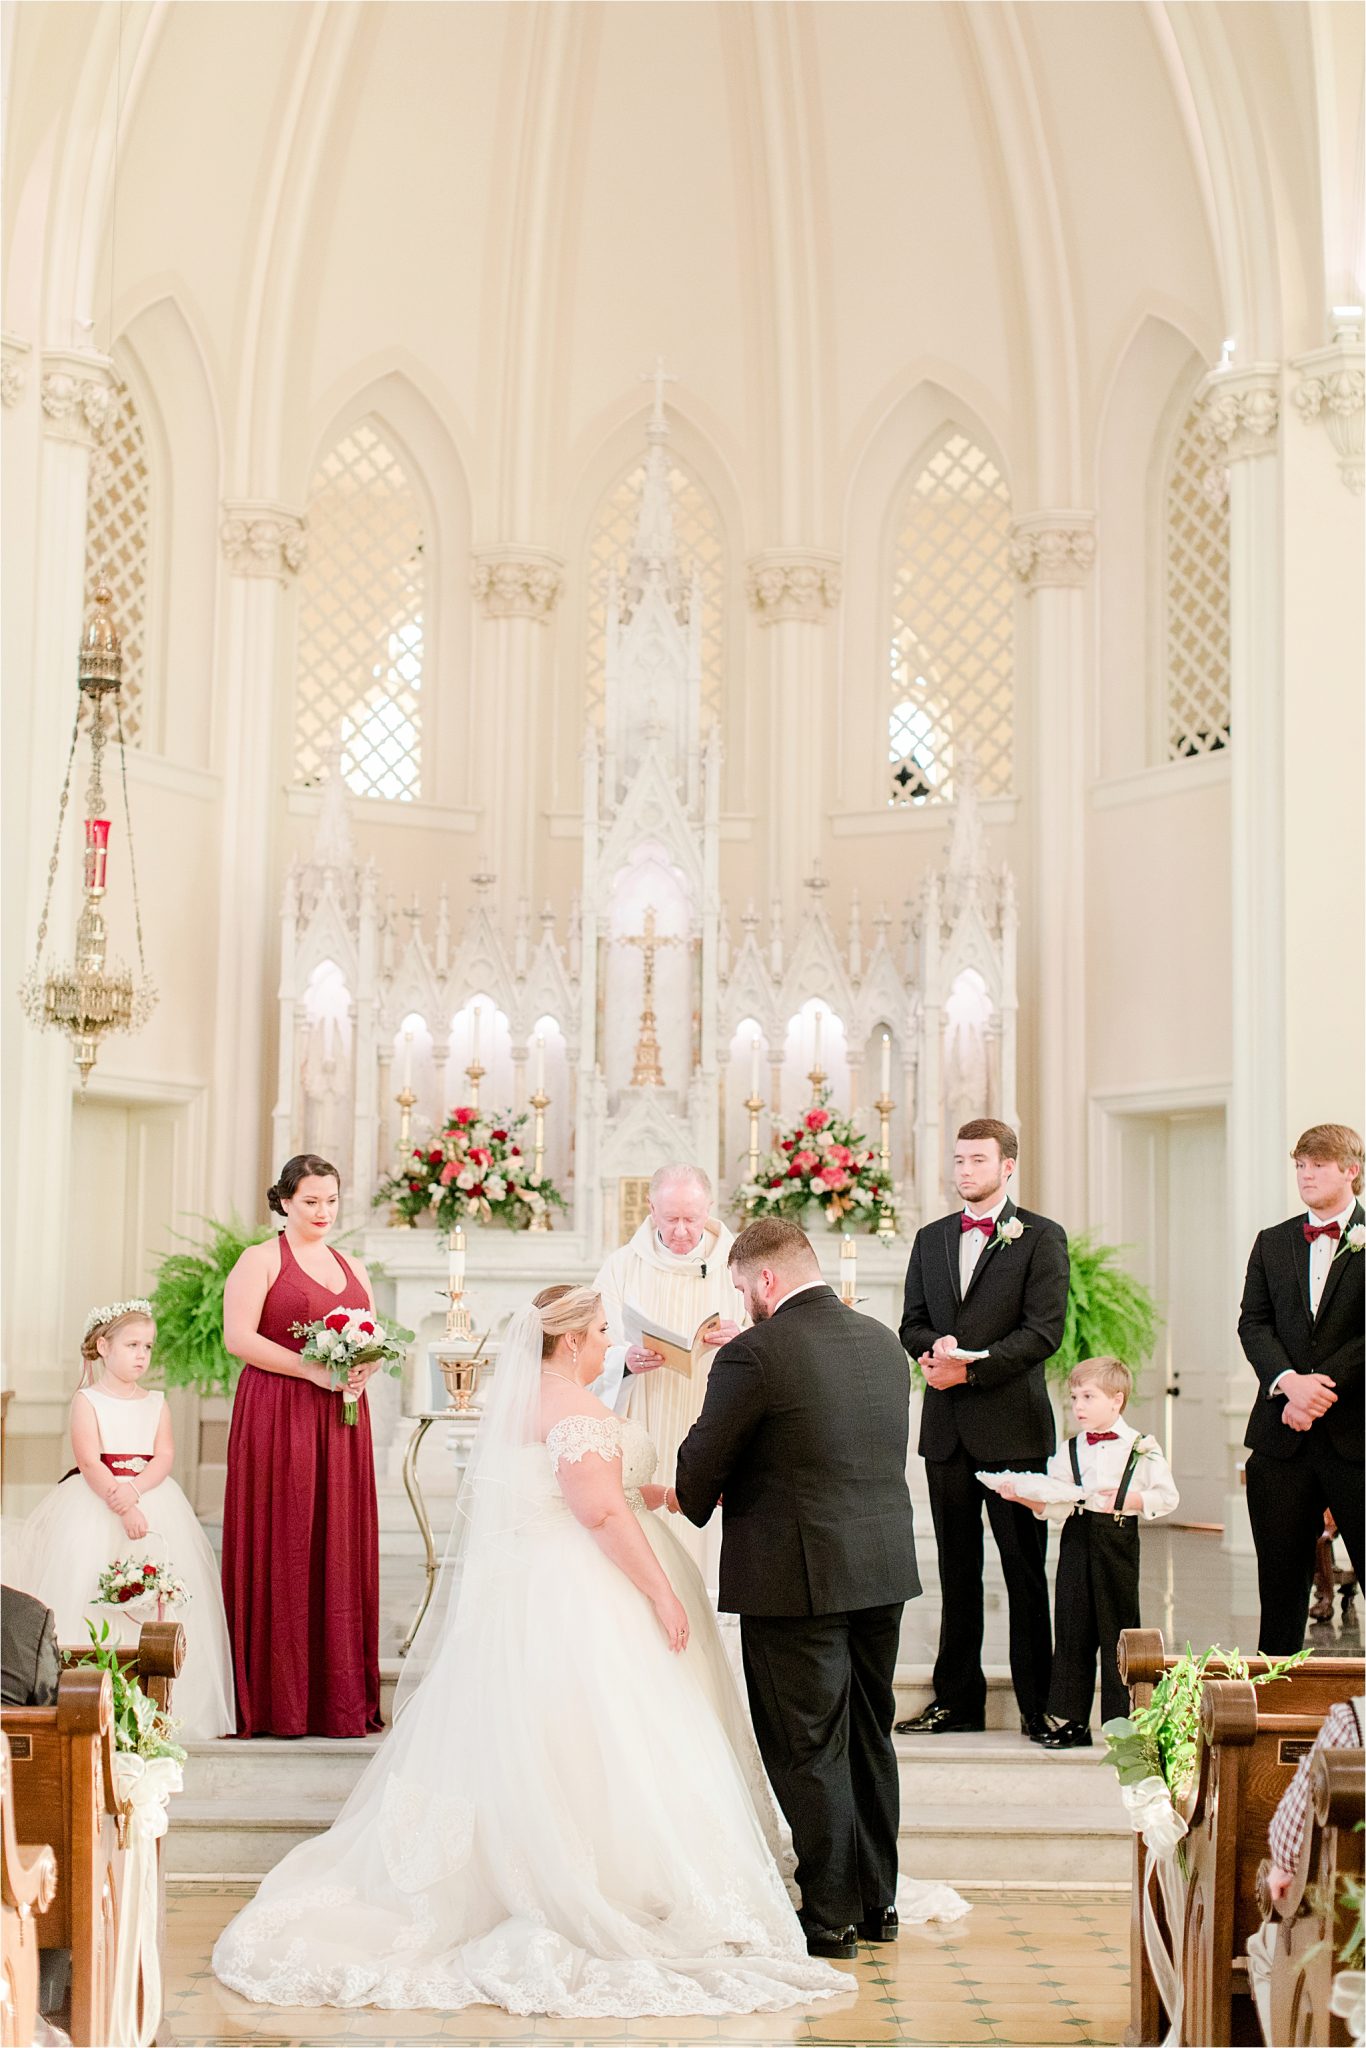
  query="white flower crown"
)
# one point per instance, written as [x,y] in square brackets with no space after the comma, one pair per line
[111,1312]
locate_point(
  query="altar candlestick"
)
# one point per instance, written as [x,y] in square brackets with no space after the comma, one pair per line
[816,1040]
[408,1060]
[886,1062]
[848,1271]
[457,1258]
[754,1065]
[539,1070]
[474,1035]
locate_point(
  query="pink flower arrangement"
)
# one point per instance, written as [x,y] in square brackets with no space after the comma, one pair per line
[822,1162]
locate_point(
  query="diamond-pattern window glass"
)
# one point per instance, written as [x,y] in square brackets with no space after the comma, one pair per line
[117,526]
[698,532]
[360,660]
[951,654]
[1195,595]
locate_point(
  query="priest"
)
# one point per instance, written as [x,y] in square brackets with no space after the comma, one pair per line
[674,1270]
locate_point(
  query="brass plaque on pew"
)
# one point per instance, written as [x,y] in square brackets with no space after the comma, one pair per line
[21,1748]
[1292,1747]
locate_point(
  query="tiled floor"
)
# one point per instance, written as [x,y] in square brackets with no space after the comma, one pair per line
[1024,1967]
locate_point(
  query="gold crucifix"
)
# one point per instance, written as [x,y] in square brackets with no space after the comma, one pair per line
[647,1072]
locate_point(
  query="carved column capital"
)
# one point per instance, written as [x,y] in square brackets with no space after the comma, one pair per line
[13,368]
[1053,550]
[1242,409]
[1332,388]
[517,583]
[76,395]
[793,583]
[262,539]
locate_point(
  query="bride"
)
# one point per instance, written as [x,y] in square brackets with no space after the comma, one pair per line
[569,1815]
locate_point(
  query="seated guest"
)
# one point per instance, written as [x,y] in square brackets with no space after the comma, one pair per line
[1125,1478]
[30,1662]
[1342,1729]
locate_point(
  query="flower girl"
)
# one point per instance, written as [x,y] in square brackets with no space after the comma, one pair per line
[119,1502]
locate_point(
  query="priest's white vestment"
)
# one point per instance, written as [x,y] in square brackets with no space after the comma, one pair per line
[680,1291]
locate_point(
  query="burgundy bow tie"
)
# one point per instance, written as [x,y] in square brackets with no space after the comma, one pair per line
[1313,1230]
[986,1224]
[1102,1436]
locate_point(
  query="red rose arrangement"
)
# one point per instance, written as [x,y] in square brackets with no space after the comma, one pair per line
[474,1170]
[822,1160]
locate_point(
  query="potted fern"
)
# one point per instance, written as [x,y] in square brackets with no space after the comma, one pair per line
[187,1301]
[1110,1314]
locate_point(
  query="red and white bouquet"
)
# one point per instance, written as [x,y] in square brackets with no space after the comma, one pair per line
[822,1160]
[347,1337]
[138,1578]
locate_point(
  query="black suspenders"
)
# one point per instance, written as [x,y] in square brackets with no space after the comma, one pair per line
[1121,1490]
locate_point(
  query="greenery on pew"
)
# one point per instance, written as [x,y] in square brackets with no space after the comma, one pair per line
[1160,1740]
[140,1727]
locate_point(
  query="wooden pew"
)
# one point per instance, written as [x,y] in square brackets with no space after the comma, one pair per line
[28,1879]
[1306,1693]
[63,1793]
[1310,1924]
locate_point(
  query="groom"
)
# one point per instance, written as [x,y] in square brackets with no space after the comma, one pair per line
[804,1430]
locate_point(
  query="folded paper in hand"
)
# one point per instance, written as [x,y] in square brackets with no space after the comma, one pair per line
[680,1354]
[1037,1486]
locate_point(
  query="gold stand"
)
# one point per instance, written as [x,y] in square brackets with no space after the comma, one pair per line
[647,1071]
[405,1100]
[539,1103]
[474,1074]
[754,1104]
[460,1370]
[817,1077]
[848,1271]
[884,1107]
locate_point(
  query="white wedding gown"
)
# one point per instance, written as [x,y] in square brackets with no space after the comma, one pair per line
[566,1818]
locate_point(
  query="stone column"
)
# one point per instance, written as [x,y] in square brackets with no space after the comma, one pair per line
[792,592]
[1242,410]
[1052,554]
[263,549]
[74,395]
[517,589]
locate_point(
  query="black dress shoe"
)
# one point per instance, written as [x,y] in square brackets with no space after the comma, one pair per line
[937,1720]
[880,1926]
[1037,1727]
[1067,1735]
[840,1943]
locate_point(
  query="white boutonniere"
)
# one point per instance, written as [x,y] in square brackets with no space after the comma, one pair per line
[1354,1240]
[1009,1232]
[1146,1446]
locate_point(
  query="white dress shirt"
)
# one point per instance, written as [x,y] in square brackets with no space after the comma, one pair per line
[973,1243]
[1322,1253]
[1102,1468]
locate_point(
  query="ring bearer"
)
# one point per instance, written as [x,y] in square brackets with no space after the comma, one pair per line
[674,1272]
[1124,1479]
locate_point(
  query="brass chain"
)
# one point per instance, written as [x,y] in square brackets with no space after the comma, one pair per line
[57,842]
[128,828]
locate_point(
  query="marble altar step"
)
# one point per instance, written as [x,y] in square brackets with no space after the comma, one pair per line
[982,1809]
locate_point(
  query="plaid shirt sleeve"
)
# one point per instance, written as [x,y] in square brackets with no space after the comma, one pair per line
[1286,1833]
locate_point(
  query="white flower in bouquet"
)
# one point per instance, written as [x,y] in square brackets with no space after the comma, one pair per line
[495,1187]
[348,1337]
[466,1179]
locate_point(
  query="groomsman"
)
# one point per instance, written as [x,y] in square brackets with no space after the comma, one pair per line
[986,1299]
[1301,1328]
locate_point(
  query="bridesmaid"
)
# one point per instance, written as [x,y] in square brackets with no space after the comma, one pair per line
[300,1519]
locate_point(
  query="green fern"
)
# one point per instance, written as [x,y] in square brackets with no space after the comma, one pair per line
[188,1304]
[1109,1312]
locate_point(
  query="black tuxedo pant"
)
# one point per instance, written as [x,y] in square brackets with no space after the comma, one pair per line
[956,1502]
[821,1694]
[1286,1498]
[1095,1596]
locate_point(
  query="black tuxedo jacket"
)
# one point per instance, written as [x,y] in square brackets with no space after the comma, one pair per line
[1014,1310]
[1278,1335]
[804,1430]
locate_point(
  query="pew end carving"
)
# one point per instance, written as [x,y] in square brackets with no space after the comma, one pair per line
[28,1880]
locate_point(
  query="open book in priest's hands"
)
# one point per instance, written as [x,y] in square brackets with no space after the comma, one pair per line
[680,1354]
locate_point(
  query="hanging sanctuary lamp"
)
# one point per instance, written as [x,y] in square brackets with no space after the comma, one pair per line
[88,999]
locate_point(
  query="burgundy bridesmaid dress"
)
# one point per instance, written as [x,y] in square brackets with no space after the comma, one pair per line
[301,1537]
